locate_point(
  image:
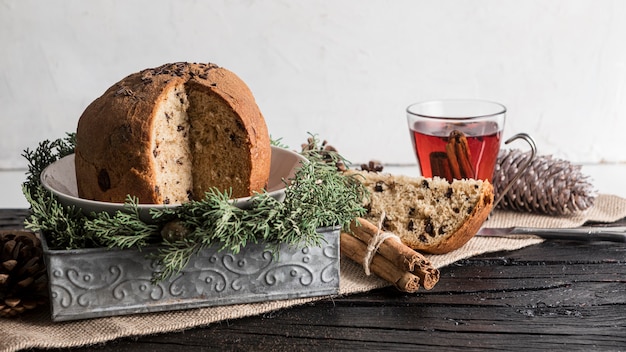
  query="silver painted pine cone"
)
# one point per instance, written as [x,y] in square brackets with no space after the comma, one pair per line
[549,185]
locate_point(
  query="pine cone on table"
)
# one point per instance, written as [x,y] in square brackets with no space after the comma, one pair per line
[550,186]
[23,283]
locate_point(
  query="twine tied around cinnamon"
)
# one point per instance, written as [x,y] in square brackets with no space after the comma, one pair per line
[392,261]
[375,242]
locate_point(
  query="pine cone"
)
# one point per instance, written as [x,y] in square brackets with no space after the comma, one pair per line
[549,185]
[327,152]
[23,283]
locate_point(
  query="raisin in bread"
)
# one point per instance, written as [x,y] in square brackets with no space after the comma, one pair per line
[428,214]
[168,134]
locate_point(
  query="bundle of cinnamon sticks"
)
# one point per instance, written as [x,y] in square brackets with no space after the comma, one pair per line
[392,261]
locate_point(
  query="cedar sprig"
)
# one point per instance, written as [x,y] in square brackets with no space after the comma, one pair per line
[317,186]
[62,225]
[48,216]
[124,229]
[45,154]
[322,152]
[278,142]
[172,257]
[213,221]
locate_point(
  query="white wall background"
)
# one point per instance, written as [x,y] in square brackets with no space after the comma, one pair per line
[342,69]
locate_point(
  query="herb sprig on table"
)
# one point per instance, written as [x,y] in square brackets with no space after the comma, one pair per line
[318,196]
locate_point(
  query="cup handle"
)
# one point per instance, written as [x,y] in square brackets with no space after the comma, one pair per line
[533,152]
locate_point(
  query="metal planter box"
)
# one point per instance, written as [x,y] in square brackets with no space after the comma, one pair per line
[98,282]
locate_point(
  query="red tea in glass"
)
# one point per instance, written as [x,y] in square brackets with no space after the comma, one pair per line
[456,138]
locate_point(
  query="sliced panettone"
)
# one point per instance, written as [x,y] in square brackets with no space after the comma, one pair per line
[169,134]
[428,214]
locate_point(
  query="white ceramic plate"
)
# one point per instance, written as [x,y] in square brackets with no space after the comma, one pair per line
[60,178]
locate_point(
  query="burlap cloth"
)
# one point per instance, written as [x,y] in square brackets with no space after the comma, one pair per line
[37,330]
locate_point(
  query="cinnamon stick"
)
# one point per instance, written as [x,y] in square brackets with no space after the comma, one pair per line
[458,152]
[356,250]
[440,166]
[401,255]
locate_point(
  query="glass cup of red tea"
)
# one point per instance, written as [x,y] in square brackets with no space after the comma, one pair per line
[458,139]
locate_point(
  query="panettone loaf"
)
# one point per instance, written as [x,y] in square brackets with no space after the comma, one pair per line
[428,214]
[168,134]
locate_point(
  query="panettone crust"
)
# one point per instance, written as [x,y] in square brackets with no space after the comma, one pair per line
[115,153]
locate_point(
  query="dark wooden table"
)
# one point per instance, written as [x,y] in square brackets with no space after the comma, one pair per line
[556,296]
